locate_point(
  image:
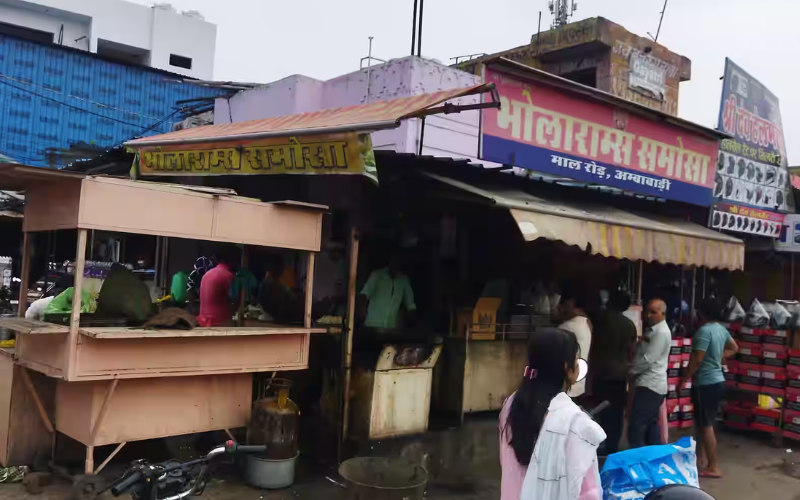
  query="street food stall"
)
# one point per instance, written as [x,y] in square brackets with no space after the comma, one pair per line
[103,385]
[484,357]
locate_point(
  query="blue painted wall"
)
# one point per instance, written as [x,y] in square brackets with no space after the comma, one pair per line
[52,97]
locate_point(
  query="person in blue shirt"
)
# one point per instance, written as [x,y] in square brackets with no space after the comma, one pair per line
[712,344]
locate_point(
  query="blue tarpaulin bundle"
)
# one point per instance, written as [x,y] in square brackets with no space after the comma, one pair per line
[632,474]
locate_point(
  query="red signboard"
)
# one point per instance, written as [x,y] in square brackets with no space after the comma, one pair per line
[556,131]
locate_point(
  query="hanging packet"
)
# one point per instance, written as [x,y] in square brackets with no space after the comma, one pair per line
[780,317]
[757,316]
[734,312]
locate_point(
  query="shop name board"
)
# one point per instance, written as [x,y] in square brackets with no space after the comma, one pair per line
[648,73]
[741,219]
[547,130]
[348,155]
[751,165]
[748,126]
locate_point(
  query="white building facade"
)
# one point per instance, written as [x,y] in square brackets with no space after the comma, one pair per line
[157,36]
[454,135]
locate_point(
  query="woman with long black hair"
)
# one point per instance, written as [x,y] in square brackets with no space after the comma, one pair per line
[548,445]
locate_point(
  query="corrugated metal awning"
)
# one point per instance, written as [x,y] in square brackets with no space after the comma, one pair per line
[361,118]
[610,231]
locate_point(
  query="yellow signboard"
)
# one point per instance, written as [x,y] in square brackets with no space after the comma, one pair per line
[329,154]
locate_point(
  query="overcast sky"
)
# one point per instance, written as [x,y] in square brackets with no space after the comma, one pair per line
[266,40]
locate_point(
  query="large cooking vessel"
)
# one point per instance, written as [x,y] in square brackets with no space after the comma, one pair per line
[375,478]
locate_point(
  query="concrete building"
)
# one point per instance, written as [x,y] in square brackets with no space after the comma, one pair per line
[604,55]
[157,36]
[454,135]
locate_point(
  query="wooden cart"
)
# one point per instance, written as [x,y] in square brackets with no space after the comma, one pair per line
[115,385]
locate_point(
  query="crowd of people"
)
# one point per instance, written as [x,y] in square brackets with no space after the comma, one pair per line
[549,446]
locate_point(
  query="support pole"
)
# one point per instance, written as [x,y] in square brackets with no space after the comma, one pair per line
[351,311]
[104,409]
[25,271]
[309,289]
[26,379]
[70,363]
[639,285]
[110,457]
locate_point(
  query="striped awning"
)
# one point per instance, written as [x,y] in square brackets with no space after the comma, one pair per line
[610,231]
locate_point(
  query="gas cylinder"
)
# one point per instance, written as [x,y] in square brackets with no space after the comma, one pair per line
[275,421]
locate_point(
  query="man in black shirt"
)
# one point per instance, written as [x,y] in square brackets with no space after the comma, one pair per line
[613,346]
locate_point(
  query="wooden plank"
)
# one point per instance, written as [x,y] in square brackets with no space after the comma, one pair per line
[108,459]
[152,408]
[71,351]
[29,440]
[140,333]
[171,357]
[32,327]
[26,379]
[98,423]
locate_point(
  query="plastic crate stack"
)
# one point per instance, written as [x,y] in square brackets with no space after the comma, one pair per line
[767,366]
[791,414]
[680,411]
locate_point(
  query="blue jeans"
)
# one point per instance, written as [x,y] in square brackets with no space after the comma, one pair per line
[643,429]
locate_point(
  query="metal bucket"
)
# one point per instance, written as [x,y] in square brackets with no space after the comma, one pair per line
[269,474]
[374,478]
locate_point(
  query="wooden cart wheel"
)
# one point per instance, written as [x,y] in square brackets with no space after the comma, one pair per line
[86,487]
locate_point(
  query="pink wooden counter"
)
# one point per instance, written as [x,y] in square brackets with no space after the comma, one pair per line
[114,385]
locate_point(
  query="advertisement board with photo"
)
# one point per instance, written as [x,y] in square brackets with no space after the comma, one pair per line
[752,169]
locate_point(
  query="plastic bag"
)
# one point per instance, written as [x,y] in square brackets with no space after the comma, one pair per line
[779,317]
[793,308]
[632,474]
[62,303]
[734,312]
[757,316]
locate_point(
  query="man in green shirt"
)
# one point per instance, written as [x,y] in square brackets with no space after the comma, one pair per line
[386,291]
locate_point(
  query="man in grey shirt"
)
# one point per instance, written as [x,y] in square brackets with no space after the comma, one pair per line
[649,374]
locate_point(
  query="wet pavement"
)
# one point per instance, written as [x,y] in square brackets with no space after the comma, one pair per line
[752,468]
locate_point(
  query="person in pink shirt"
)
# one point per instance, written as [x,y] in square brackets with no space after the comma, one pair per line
[544,433]
[215,307]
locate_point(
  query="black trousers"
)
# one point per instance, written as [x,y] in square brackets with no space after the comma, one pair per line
[612,419]
[643,429]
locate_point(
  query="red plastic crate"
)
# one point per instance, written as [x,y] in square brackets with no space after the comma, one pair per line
[779,337]
[791,417]
[793,398]
[790,435]
[763,428]
[750,348]
[793,376]
[774,355]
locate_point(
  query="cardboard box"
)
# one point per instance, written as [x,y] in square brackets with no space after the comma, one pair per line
[484,316]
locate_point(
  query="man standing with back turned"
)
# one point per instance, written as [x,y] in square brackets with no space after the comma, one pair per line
[711,345]
[650,377]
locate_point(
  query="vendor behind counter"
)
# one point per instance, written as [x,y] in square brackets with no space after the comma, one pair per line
[387,313]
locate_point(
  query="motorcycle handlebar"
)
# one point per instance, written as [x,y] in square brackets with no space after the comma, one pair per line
[120,488]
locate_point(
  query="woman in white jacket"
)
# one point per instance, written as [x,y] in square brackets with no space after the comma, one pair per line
[548,445]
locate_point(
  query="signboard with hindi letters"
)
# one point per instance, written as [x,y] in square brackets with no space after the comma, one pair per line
[349,153]
[544,129]
[730,217]
[751,166]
